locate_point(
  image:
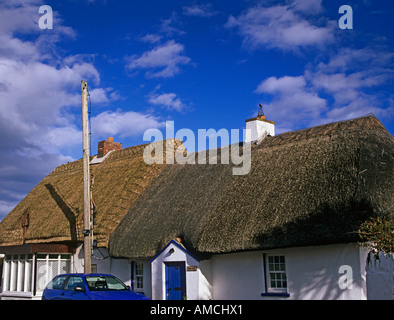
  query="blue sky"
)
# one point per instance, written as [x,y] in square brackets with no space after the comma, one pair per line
[201,64]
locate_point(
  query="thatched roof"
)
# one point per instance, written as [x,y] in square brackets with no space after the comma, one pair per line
[308,187]
[53,211]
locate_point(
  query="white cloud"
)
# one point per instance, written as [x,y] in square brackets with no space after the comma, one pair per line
[294,102]
[36,105]
[17,49]
[151,38]
[282,26]
[348,78]
[340,88]
[124,124]
[307,6]
[168,100]
[202,10]
[38,91]
[163,61]
[167,26]
[376,59]
[346,87]
[17,16]
[103,95]
[286,84]
[63,136]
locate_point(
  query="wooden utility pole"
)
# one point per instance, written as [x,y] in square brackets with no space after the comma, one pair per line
[86,181]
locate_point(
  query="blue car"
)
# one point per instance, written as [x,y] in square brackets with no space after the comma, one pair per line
[77,286]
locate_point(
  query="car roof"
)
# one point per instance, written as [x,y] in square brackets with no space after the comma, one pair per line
[87,274]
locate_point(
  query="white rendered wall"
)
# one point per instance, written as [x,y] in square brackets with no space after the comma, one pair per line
[205,280]
[312,273]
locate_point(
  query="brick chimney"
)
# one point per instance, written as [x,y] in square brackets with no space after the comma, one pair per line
[106,146]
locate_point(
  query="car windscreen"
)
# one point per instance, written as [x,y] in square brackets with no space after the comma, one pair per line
[100,283]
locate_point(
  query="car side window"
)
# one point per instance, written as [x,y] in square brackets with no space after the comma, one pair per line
[73,282]
[57,283]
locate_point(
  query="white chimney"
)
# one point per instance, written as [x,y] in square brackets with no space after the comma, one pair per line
[258,128]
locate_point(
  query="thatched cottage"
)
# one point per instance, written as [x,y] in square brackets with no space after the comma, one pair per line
[286,230]
[42,236]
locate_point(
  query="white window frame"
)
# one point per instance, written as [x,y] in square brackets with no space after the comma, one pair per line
[15,283]
[18,273]
[48,259]
[137,276]
[278,268]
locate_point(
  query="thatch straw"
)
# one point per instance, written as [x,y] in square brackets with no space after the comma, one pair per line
[53,210]
[309,187]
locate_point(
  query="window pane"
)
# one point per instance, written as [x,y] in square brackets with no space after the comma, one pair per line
[17,273]
[14,274]
[57,283]
[7,274]
[114,284]
[138,275]
[139,269]
[65,266]
[140,283]
[21,276]
[42,275]
[28,275]
[277,272]
[94,268]
[74,282]
[273,276]
[47,269]
[97,283]
[53,269]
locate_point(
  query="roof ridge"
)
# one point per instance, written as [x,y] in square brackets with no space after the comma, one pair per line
[367,122]
[68,167]
[129,152]
[335,123]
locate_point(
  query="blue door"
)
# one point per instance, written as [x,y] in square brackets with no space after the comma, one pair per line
[175,281]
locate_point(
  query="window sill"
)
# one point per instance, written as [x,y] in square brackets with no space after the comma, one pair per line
[276,294]
[16,294]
